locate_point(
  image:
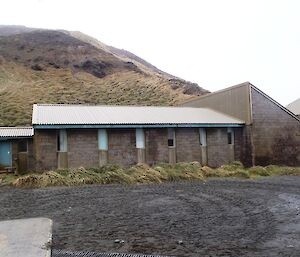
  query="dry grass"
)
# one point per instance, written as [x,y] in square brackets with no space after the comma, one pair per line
[20,87]
[141,174]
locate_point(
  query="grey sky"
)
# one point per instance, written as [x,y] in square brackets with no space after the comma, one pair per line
[215,43]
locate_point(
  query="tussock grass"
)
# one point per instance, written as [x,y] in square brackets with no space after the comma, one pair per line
[141,174]
[20,87]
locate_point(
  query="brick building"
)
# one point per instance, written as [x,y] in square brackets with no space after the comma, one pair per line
[271,134]
[239,123]
[91,136]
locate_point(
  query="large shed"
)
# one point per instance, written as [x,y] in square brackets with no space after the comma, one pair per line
[85,135]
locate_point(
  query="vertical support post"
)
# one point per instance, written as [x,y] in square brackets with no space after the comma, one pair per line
[230,134]
[203,145]
[172,145]
[103,147]
[140,145]
[62,149]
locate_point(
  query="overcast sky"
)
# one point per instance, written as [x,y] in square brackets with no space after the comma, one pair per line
[215,43]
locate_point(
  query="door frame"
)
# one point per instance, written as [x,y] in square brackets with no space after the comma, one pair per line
[10,151]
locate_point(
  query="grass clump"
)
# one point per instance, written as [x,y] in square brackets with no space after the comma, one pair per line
[259,171]
[182,171]
[282,170]
[141,174]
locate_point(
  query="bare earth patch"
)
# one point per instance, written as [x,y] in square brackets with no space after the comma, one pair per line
[218,217]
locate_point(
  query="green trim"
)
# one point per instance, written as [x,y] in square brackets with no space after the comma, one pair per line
[11,138]
[99,126]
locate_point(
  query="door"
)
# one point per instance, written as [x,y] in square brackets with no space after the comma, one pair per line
[5,154]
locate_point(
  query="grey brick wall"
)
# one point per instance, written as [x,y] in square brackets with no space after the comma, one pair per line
[45,149]
[156,146]
[217,147]
[83,148]
[276,134]
[188,145]
[121,147]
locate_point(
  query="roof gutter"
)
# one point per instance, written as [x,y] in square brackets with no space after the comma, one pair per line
[100,126]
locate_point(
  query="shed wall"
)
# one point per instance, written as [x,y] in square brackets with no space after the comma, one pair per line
[276,133]
[156,146]
[188,145]
[121,147]
[82,148]
[218,150]
[45,149]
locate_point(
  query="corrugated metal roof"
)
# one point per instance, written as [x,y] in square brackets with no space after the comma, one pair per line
[87,114]
[294,107]
[10,132]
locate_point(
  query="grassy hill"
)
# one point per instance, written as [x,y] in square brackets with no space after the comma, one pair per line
[44,66]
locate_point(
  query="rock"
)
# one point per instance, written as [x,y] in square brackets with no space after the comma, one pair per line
[37,67]
[118,241]
[94,67]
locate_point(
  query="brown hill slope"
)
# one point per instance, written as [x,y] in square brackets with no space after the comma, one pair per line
[44,66]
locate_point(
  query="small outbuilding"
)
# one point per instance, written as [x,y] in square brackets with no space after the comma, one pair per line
[16,152]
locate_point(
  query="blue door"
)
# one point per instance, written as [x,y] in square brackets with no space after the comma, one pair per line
[5,154]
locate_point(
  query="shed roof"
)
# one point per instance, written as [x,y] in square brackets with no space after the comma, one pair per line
[12,132]
[54,114]
[294,107]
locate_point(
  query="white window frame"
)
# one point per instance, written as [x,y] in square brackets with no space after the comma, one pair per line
[140,138]
[63,140]
[202,137]
[102,140]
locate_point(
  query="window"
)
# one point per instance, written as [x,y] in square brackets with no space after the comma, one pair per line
[102,139]
[62,145]
[230,136]
[171,137]
[140,138]
[22,146]
[202,136]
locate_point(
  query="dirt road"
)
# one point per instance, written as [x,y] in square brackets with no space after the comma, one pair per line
[213,218]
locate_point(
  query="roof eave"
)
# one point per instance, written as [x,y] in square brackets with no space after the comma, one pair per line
[99,126]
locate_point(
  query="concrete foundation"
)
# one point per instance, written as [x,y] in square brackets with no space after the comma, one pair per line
[141,155]
[172,155]
[62,158]
[26,238]
[203,155]
[103,158]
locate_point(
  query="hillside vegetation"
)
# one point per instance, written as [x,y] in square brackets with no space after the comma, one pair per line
[44,66]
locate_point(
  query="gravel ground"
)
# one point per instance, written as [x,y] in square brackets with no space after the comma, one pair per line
[219,217]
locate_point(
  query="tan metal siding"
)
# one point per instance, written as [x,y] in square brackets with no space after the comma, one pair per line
[234,101]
